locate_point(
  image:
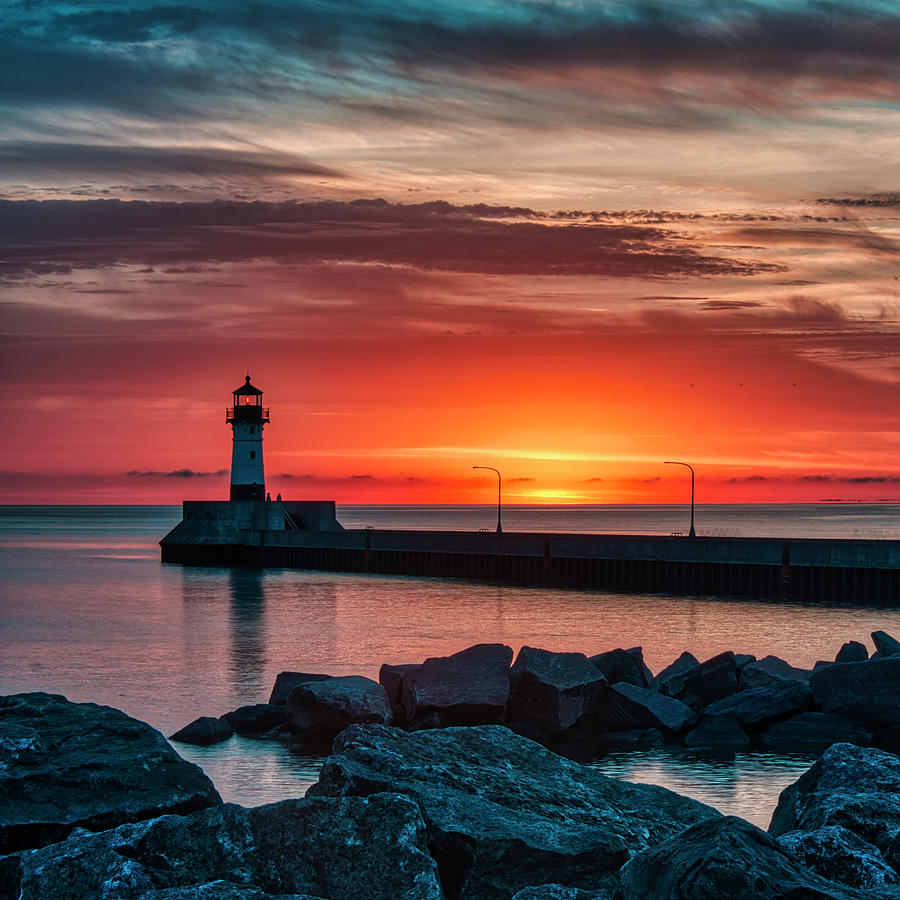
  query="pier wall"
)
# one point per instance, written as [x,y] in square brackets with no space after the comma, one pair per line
[842,571]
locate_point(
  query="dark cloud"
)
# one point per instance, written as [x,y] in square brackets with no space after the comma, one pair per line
[749,479]
[726,305]
[516,480]
[177,473]
[877,201]
[814,478]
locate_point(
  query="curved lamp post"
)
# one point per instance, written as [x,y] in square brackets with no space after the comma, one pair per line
[499,481]
[670,462]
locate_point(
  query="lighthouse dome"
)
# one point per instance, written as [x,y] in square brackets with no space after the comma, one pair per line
[247,389]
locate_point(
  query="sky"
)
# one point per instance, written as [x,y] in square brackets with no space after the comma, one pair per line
[570,240]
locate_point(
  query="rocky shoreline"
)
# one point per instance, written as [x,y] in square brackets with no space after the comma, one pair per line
[443,783]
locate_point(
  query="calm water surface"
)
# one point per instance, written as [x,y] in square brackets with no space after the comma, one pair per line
[87,610]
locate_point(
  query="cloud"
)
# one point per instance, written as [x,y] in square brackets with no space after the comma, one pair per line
[177,473]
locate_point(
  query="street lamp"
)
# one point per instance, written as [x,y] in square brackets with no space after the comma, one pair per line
[499,526]
[670,462]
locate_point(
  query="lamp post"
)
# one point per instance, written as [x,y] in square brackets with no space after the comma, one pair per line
[499,481]
[670,462]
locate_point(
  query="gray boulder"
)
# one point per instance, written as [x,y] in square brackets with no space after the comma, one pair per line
[813,732]
[757,707]
[852,651]
[716,678]
[839,855]
[717,733]
[503,813]
[672,679]
[318,710]
[342,849]
[553,690]
[285,682]
[866,691]
[256,719]
[624,665]
[467,688]
[629,707]
[885,645]
[390,677]
[725,858]
[65,765]
[203,731]
[769,669]
[857,788]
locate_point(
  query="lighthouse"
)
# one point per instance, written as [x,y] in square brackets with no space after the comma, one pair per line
[247,418]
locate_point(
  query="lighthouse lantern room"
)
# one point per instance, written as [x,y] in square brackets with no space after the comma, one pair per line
[247,416]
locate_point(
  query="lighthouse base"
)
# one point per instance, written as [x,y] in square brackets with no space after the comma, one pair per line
[247,492]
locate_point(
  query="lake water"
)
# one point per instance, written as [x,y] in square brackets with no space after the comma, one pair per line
[87,610]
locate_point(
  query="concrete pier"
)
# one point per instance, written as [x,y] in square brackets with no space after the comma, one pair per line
[862,572]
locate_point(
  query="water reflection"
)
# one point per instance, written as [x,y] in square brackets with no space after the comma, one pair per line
[247,620]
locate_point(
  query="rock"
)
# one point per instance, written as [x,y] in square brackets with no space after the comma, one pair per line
[503,813]
[285,682]
[65,765]
[757,707]
[553,690]
[318,710]
[468,688]
[720,733]
[671,680]
[391,679]
[852,651]
[768,669]
[741,660]
[203,731]
[855,787]
[629,707]
[220,890]
[256,719]
[813,732]
[560,892]
[887,738]
[866,691]
[839,855]
[724,858]
[648,739]
[885,645]
[342,849]
[623,665]
[699,684]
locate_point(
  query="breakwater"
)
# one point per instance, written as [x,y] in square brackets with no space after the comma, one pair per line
[841,571]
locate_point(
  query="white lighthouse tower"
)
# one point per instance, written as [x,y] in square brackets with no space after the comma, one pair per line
[247,418]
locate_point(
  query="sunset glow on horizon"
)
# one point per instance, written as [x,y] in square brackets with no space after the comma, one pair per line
[569,241]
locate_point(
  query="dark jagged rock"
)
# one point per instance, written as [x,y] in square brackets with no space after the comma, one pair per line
[720,733]
[852,651]
[743,659]
[885,645]
[839,855]
[757,707]
[716,679]
[391,679]
[866,691]
[467,688]
[813,732]
[203,731]
[256,719]
[66,765]
[768,669]
[857,788]
[560,892]
[318,710]
[629,707]
[672,679]
[554,690]
[342,849]
[504,813]
[623,665]
[220,890]
[285,682]
[725,858]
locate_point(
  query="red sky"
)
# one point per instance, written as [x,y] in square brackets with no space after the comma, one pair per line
[567,241]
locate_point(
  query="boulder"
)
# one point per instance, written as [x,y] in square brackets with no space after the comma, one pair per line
[318,710]
[885,645]
[203,731]
[553,690]
[503,813]
[725,858]
[768,669]
[672,679]
[866,691]
[852,651]
[220,890]
[285,682]
[66,765]
[629,707]
[342,849]
[743,659]
[623,665]
[839,855]
[390,677]
[757,707]
[813,732]
[717,733]
[857,788]
[467,688]
[887,738]
[256,719]
[560,892]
